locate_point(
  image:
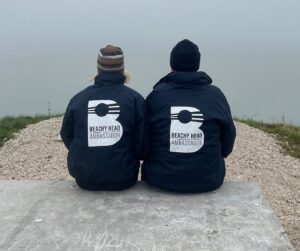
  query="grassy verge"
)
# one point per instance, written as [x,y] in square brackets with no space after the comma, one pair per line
[288,136]
[11,125]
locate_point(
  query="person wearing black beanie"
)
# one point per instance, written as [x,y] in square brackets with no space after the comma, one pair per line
[191,127]
[185,56]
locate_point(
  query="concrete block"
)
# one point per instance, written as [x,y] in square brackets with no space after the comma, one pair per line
[57,215]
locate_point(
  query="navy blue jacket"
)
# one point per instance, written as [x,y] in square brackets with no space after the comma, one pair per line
[104,129]
[192,131]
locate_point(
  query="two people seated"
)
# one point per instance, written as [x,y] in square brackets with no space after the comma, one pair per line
[182,131]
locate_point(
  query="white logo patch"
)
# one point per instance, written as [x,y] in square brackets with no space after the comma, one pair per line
[103,127]
[185,133]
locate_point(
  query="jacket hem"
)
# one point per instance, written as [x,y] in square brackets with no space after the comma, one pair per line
[95,186]
[202,189]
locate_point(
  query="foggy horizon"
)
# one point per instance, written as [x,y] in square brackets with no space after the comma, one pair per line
[251,50]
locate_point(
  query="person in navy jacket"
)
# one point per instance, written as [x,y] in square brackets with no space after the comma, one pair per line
[104,128]
[192,130]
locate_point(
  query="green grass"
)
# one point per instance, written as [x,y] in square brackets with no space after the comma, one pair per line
[11,125]
[288,136]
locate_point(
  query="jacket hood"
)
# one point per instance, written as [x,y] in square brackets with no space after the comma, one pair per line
[109,77]
[199,77]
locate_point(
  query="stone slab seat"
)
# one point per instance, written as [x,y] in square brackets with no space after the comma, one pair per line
[57,215]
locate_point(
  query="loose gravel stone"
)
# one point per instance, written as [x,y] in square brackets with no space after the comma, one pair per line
[37,153]
[257,157]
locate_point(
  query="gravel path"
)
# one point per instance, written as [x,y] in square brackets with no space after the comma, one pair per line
[37,153]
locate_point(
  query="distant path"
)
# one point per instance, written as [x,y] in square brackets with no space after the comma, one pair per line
[37,153]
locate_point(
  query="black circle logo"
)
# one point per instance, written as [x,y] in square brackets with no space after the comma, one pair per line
[101,110]
[184,116]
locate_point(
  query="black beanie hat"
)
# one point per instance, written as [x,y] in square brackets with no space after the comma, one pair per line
[185,56]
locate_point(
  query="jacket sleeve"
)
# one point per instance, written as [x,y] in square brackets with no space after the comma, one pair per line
[141,135]
[67,129]
[228,132]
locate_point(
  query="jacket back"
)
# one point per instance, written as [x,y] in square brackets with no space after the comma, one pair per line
[191,132]
[104,129]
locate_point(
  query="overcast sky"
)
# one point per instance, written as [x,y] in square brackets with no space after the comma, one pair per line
[251,49]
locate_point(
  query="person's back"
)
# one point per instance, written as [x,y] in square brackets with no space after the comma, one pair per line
[104,128]
[191,127]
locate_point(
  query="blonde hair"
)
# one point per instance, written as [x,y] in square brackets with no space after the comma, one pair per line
[127,77]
